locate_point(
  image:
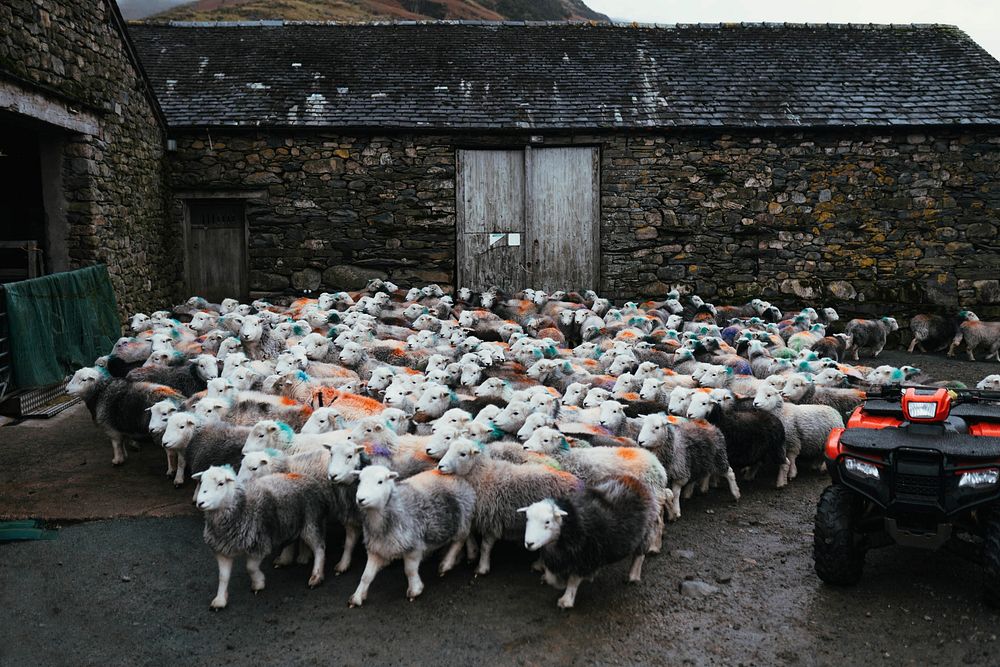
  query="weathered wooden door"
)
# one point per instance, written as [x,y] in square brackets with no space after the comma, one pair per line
[563,214]
[528,218]
[217,249]
[490,193]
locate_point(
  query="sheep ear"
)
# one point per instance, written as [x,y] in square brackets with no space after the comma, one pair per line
[328,447]
[198,475]
[559,513]
[523,510]
[359,448]
[393,474]
[272,427]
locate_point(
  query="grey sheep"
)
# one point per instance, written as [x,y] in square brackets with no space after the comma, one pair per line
[870,334]
[255,518]
[201,443]
[932,333]
[188,378]
[976,333]
[501,488]
[409,520]
[799,388]
[119,407]
[579,533]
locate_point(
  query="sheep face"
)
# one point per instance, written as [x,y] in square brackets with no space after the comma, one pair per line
[229,347]
[829,377]
[220,387]
[491,387]
[345,460]
[435,399]
[208,367]
[427,322]
[228,305]
[626,383]
[655,428]
[487,415]
[139,322]
[544,523]
[322,420]
[989,383]
[291,360]
[381,378]
[216,489]
[650,389]
[767,398]
[252,329]
[471,375]
[371,430]
[595,397]
[545,440]
[375,485]
[268,433]
[396,420]
[439,442]
[352,354]
[680,398]
[622,364]
[612,415]
[512,418]
[208,408]
[460,458]
[795,387]
[454,418]
[160,412]
[776,381]
[574,393]
[316,346]
[534,422]
[85,381]
[700,406]
[255,464]
[202,322]
[179,431]
[243,378]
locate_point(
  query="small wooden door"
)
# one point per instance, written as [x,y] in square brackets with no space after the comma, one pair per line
[529,218]
[217,249]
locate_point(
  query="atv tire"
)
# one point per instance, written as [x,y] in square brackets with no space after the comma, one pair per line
[838,556]
[991,559]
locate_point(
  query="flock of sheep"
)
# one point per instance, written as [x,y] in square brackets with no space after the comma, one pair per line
[421,421]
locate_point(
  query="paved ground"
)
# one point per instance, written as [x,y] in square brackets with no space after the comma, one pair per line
[136,591]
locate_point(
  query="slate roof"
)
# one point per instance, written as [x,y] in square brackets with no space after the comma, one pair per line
[468,75]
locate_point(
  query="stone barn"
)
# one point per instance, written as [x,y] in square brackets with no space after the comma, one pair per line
[82,144]
[851,165]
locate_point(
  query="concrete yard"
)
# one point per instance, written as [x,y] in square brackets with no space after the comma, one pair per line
[128,581]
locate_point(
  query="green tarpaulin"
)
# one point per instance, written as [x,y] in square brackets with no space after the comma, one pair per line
[59,323]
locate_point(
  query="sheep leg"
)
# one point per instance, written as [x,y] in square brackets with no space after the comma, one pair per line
[750,472]
[956,341]
[913,344]
[968,349]
[688,490]
[316,542]
[703,485]
[569,597]
[471,549]
[118,449]
[484,554]
[286,556]
[350,541]
[734,488]
[448,562]
[372,568]
[676,504]
[411,566]
[181,465]
[635,572]
[657,543]
[783,475]
[256,574]
[305,553]
[225,570]
[171,462]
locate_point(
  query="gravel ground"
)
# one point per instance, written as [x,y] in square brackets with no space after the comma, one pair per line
[136,591]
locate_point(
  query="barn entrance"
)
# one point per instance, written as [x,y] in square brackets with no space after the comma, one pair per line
[217,249]
[529,218]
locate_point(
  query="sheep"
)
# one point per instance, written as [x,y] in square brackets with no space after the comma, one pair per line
[692,452]
[248,408]
[806,426]
[200,443]
[404,454]
[118,406]
[323,420]
[252,519]
[408,520]
[272,434]
[257,338]
[592,464]
[753,437]
[990,383]
[802,389]
[501,487]
[870,334]
[932,333]
[976,333]
[580,533]
[833,347]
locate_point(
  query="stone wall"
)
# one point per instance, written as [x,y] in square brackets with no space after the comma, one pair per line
[73,54]
[865,221]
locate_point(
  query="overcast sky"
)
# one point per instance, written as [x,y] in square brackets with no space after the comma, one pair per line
[979,18]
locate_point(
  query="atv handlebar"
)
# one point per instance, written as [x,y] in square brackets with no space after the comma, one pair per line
[894,392]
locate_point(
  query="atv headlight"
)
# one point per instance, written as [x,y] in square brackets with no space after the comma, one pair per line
[861,468]
[979,479]
[915,410]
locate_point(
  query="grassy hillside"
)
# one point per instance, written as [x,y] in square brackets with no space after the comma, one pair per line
[366,10]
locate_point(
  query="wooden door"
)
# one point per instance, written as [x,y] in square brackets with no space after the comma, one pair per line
[217,249]
[490,193]
[563,218]
[529,218]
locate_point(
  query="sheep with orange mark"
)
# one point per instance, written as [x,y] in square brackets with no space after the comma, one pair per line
[693,453]
[406,454]
[410,519]
[501,488]
[248,408]
[254,518]
[975,334]
[579,533]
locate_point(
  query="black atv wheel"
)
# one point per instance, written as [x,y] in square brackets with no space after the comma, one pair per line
[838,557]
[991,559]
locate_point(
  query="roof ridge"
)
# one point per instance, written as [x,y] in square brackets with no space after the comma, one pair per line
[278,23]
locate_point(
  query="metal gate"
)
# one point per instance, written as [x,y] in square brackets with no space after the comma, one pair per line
[529,218]
[217,249]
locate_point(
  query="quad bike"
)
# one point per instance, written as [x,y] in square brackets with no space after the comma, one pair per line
[918,467]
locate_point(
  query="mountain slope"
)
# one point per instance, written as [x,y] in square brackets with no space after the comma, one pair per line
[367,10]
